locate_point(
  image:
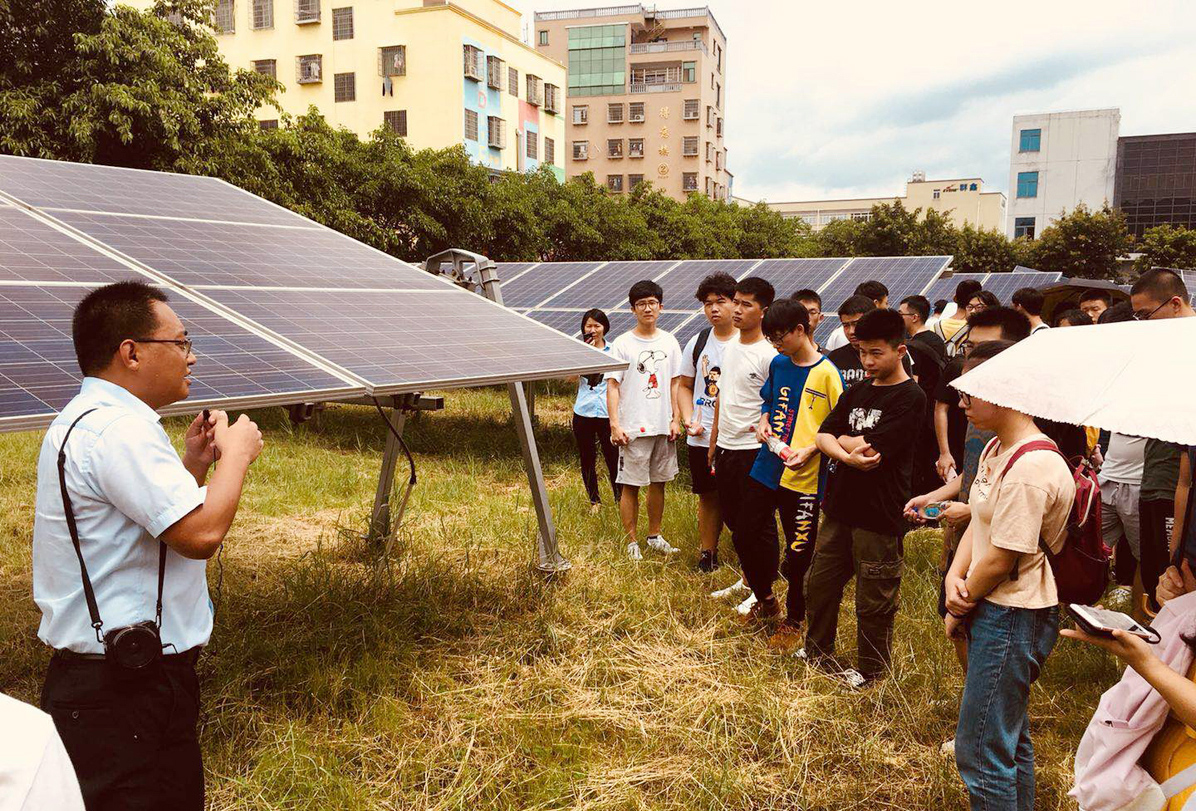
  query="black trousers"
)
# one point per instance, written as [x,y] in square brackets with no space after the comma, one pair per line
[732,471]
[585,431]
[1156,518]
[759,557]
[132,738]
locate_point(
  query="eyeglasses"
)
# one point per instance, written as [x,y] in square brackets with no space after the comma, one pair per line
[185,343]
[1142,315]
[965,399]
[907,315]
[650,304]
[974,308]
[777,340]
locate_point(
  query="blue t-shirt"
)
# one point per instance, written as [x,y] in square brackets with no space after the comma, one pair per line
[591,400]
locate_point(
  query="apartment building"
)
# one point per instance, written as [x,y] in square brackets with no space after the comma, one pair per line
[963,200]
[437,72]
[646,96]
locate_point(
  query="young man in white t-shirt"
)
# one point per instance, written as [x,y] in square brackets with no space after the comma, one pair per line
[645,419]
[1028,301]
[733,445]
[701,368]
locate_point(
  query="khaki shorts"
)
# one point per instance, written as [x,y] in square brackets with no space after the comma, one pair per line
[647,460]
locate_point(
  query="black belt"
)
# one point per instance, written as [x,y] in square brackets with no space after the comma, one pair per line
[187,657]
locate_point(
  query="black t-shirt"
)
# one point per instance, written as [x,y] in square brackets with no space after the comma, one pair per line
[957,420]
[888,418]
[933,342]
[847,360]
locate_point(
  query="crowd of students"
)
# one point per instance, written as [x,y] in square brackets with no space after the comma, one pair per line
[854,443]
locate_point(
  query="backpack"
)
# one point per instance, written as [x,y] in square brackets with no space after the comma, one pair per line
[954,344]
[700,344]
[1081,566]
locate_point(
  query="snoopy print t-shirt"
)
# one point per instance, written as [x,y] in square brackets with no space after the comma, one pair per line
[645,393]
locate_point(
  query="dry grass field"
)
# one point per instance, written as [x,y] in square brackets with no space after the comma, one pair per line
[453,677]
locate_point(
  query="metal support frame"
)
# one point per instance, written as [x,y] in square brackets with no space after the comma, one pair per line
[401,405]
[478,273]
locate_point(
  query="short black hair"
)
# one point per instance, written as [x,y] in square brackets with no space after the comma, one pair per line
[881,325]
[986,351]
[1014,326]
[1121,311]
[919,304]
[645,289]
[110,315]
[1161,284]
[940,306]
[872,289]
[988,297]
[806,294]
[720,284]
[1029,299]
[598,316]
[856,305]
[785,315]
[1095,293]
[966,290]
[1075,316]
[759,289]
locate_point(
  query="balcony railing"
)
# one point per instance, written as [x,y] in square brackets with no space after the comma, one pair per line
[635,10]
[641,87]
[667,47]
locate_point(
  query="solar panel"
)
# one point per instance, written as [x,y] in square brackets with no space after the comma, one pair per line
[903,275]
[509,270]
[543,281]
[688,329]
[39,373]
[788,276]
[60,185]
[606,288]
[1004,285]
[201,253]
[680,284]
[828,325]
[944,287]
[34,251]
[408,341]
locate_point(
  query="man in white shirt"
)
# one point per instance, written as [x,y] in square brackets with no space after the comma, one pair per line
[645,416]
[1028,301]
[734,444]
[871,289]
[144,523]
[701,368]
[35,772]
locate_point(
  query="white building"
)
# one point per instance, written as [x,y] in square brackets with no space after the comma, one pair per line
[1057,161]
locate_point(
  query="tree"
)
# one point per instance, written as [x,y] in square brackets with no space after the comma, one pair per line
[840,238]
[892,230]
[1166,246]
[983,251]
[1083,244]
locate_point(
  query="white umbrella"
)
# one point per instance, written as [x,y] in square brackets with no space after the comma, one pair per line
[1136,378]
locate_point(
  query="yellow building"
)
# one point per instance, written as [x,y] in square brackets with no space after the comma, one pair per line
[438,72]
[962,199]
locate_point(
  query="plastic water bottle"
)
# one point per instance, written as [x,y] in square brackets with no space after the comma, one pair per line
[779,448]
[935,511]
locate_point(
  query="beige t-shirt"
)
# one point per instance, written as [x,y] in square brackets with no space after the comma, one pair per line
[1033,500]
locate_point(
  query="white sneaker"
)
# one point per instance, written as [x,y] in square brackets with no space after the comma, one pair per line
[853,678]
[730,590]
[745,607]
[948,748]
[633,551]
[657,543]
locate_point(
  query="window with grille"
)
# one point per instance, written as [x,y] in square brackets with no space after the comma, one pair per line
[718,160]
[345,86]
[1023,227]
[614,113]
[342,23]
[581,114]
[392,60]
[689,181]
[634,180]
[497,132]
[543,37]
[718,128]
[494,72]
[635,112]
[513,82]
[689,146]
[614,148]
[268,124]
[307,11]
[549,151]
[614,182]
[693,109]
[709,116]
[396,121]
[473,63]
[266,67]
[533,146]
[709,187]
[310,69]
[709,152]
[535,90]
[471,125]
[225,17]
[263,14]
[552,98]
[635,147]
[581,150]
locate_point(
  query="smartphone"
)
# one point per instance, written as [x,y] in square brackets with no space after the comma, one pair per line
[1102,622]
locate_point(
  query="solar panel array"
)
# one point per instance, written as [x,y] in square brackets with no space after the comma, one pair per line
[1002,285]
[281,309]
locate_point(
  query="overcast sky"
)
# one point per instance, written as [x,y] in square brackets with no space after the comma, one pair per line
[847,98]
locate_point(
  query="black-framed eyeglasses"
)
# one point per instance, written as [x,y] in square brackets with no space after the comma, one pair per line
[185,343]
[1140,316]
[965,399]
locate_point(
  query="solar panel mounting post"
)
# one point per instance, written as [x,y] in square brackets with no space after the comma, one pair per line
[478,273]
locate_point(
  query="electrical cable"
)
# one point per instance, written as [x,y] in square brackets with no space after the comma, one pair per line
[398,519]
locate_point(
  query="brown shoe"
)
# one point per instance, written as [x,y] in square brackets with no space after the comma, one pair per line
[763,613]
[786,638]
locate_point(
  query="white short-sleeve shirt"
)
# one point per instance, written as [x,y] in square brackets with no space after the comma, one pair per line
[127,485]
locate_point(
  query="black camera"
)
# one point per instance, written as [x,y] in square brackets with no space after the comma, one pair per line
[133,647]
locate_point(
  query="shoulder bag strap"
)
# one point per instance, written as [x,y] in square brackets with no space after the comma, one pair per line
[88,594]
[1036,445]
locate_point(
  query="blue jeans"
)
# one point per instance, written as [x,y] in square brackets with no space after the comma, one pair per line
[1006,651]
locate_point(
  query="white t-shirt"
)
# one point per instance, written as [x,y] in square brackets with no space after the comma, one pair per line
[706,381]
[837,339]
[1124,462]
[1040,327]
[645,396]
[35,771]
[745,370]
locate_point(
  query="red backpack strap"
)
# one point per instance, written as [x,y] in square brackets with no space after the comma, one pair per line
[1035,445]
